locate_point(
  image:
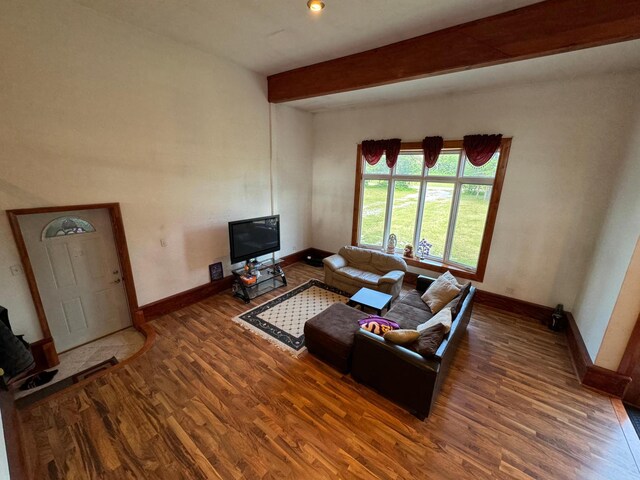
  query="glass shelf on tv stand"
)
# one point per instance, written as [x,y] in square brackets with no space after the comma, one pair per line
[271,276]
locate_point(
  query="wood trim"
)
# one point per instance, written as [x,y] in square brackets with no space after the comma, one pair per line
[630,365]
[115,214]
[541,313]
[494,204]
[606,381]
[44,353]
[417,146]
[540,29]
[315,252]
[597,378]
[356,196]
[13,437]
[441,268]
[123,254]
[294,257]
[28,272]
[631,355]
[490,222]
[196,294]
[577,348]
[62,208]
[185,298]
[139,319]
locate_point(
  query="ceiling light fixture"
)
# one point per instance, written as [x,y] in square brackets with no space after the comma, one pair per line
[315,5]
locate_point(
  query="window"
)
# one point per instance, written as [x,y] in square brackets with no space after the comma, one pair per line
[62,226]
[452,206]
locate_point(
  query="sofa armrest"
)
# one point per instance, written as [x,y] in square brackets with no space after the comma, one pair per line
[393,276]
[335,262]
[423,283]
[396,372]
[383,348]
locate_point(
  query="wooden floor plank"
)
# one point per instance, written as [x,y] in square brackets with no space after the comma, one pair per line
[212,400]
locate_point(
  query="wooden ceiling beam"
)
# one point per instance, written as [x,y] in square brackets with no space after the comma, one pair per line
[545,28]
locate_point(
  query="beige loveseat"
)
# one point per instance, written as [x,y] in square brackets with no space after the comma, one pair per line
[353,268]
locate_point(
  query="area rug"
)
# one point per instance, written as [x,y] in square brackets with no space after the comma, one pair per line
[281,320]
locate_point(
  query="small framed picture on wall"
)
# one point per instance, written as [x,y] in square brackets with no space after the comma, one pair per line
[215,271]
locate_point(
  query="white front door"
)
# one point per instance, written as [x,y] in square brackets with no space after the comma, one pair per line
[75,263]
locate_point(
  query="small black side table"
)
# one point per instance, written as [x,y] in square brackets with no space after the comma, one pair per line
[365,297]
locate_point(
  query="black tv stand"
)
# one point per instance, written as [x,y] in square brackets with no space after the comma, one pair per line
[254,280]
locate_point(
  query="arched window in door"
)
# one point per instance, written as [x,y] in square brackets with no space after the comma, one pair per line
[62,226]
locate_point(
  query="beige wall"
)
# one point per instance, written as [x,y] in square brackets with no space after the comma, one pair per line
[94,110]
[561,169]
[608,306]
[624,316]
[292,136]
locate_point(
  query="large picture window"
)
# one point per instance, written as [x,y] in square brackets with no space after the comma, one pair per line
[452,206]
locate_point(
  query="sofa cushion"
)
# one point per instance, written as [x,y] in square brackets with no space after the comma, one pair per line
[402,336]
[406,316]
[413,299]
[371,260]
[384,262]
[449,276]
[357,257]
[354,275]
[443,317]
[459,300]
[439,293]
[429,341]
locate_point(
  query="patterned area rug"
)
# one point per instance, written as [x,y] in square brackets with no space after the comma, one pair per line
[281,320]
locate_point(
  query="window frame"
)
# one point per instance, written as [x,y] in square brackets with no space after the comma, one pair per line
[435,264]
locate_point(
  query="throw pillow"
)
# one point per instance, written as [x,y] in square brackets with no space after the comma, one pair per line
[429,341]
[378,325]
[443,317]
[402,336]
[439,293]
[449,276]
[460,300]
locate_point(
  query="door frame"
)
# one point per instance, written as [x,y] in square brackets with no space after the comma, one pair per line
[45,352]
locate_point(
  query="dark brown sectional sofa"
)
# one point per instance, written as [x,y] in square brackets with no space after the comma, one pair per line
[399,373]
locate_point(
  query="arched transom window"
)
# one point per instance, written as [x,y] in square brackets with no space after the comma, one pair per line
[62,226]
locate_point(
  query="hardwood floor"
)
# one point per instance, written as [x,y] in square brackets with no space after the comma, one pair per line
[212,400]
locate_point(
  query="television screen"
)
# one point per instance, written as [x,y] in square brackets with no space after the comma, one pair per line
[254,237]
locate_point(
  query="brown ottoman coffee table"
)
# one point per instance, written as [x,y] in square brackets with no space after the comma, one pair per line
[330,335]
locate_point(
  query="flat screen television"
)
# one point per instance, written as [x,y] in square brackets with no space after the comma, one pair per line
[254,237]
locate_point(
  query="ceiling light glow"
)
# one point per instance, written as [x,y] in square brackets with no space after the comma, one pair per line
[315,5]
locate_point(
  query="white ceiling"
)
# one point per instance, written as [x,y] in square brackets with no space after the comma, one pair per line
[271,36]
[620,57]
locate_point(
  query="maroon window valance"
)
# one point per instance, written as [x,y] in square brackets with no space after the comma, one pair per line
[392,150]
[431,147]
[372,151]
[480,148]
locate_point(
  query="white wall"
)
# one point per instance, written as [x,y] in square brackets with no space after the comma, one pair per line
[567,141]
[293,147]
[608,306]
[94,110]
